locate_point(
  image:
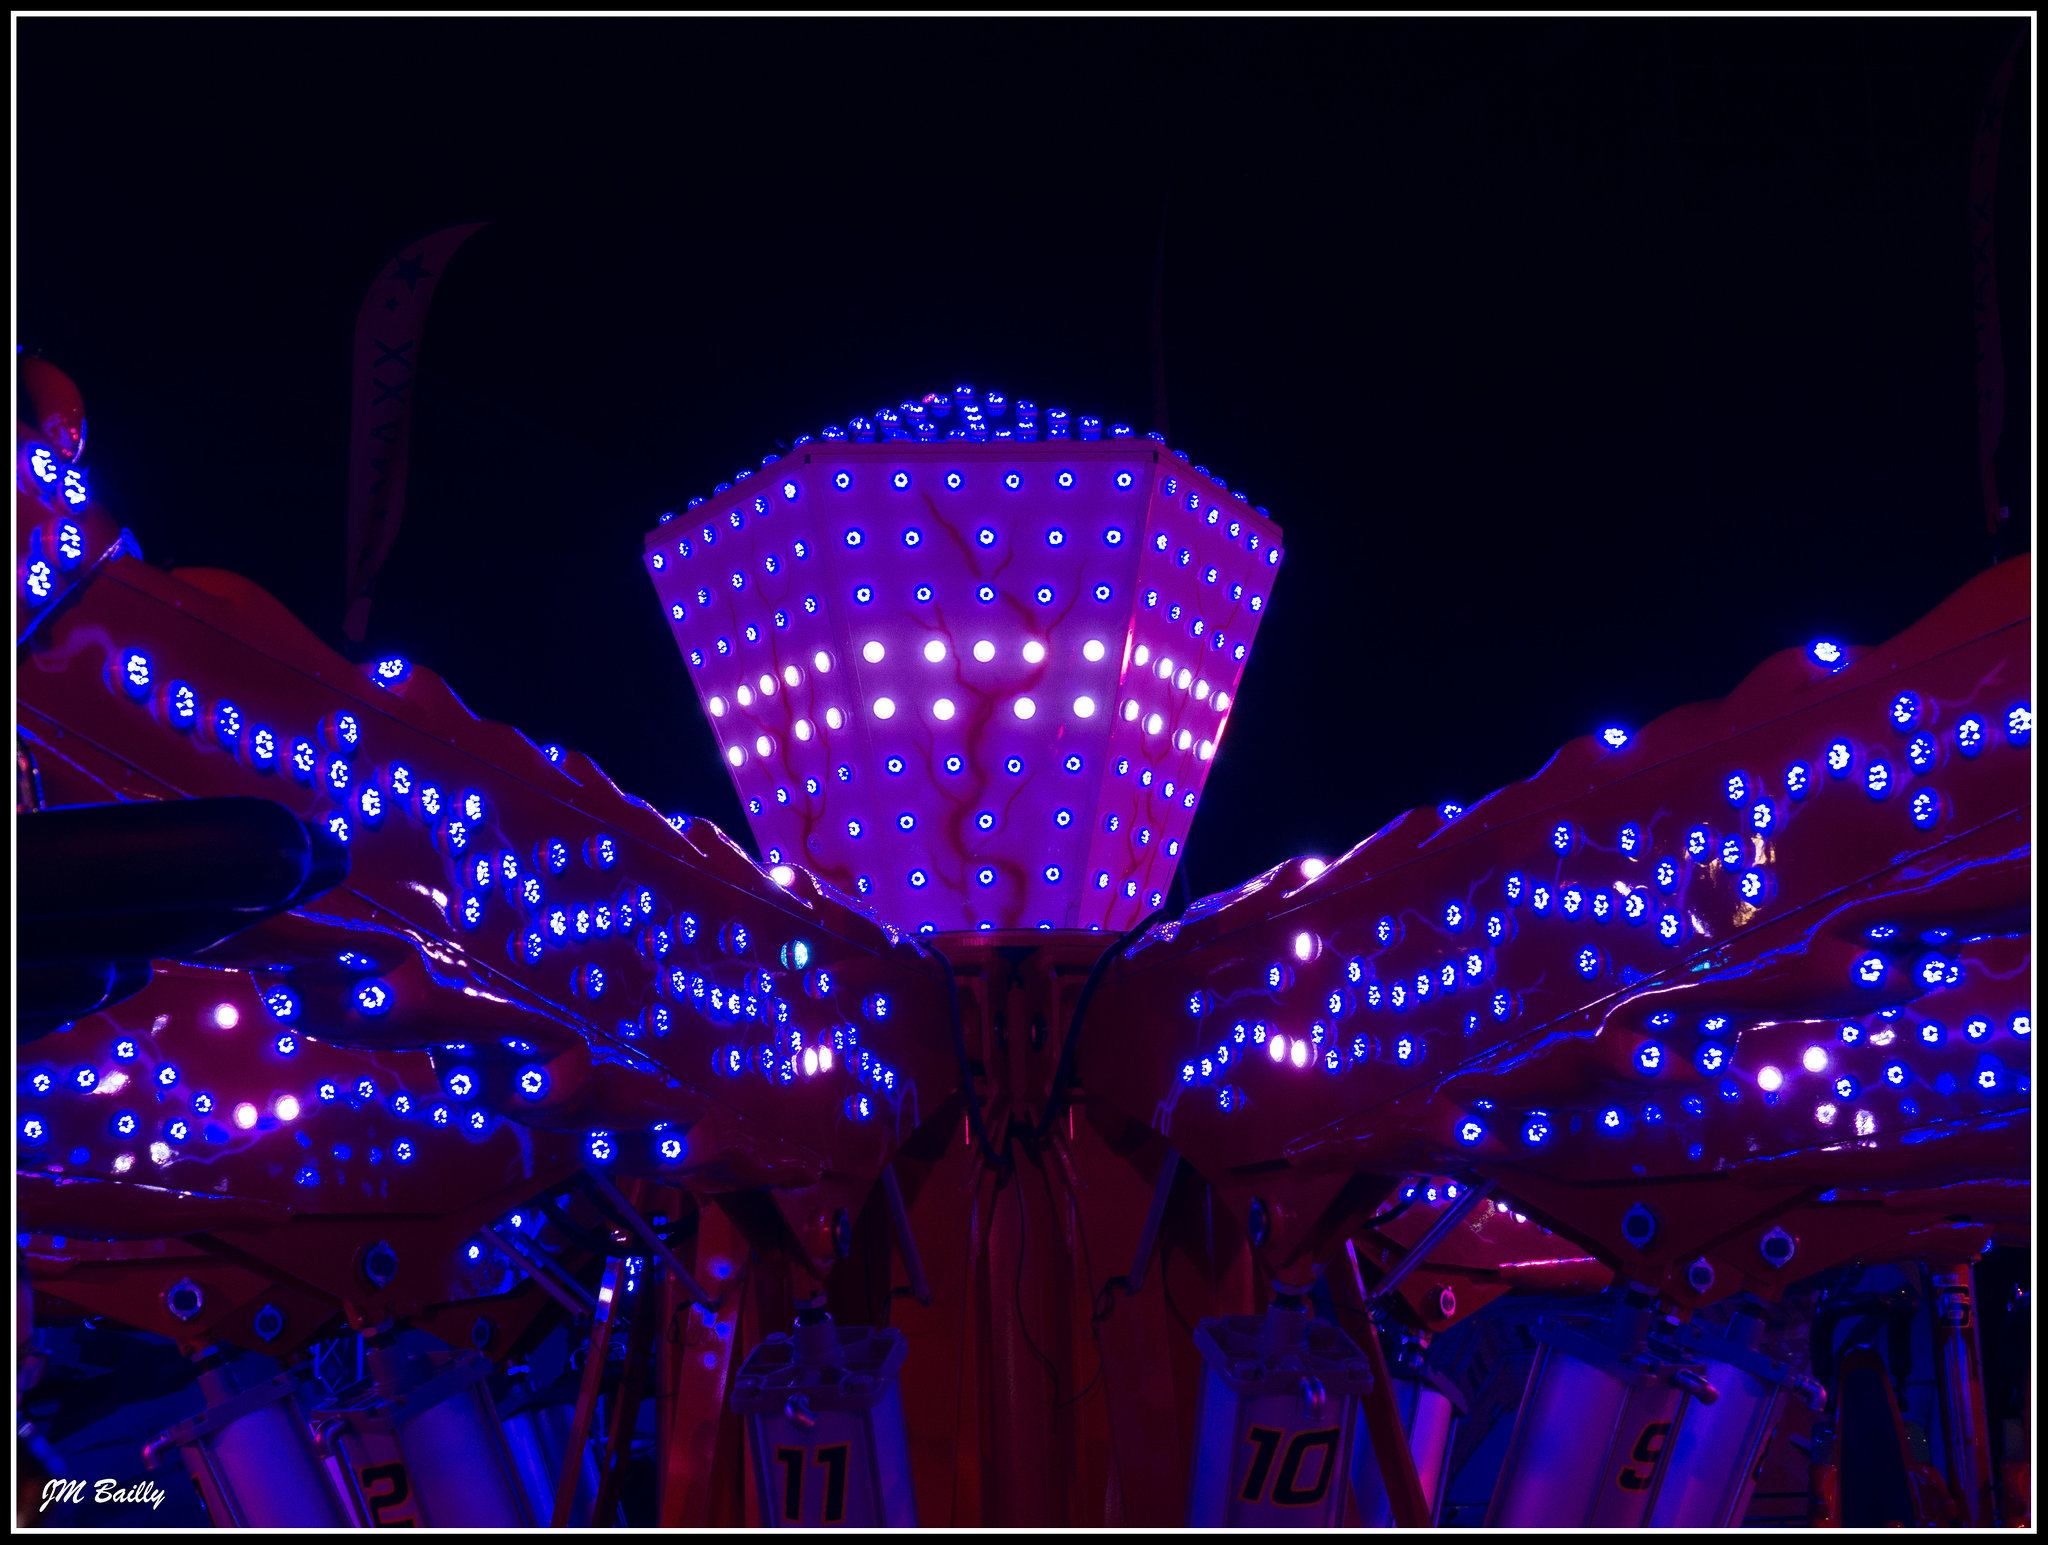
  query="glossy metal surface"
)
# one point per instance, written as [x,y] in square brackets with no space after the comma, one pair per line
[1428,1417]
[1715,1003]
[252,1458]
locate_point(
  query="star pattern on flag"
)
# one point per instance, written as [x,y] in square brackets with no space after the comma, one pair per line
[411,270]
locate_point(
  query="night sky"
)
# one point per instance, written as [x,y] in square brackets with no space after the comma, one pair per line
[1585,364]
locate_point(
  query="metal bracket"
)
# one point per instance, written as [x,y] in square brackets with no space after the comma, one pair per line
[564,1290]
[1168,1168]
[645,1230]
[1439,1231]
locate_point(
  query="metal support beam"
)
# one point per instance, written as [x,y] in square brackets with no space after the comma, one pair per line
[1410,1504]
[609,1293]
[1964,1427]
[645,1230]
[1439,1231]
[899,1214]
[1161,1188]
[540,1272]
[625,1407]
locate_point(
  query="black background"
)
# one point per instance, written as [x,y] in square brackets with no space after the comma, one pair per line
[1585,363]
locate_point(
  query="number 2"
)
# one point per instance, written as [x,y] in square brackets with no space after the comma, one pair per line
[401,1488]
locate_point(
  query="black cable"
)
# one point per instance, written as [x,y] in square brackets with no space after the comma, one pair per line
[1017,1292]
[996,1161]
[1063,1075]
[1364,1314]
[1389,1215]
[1105,1306]
[1166,1291]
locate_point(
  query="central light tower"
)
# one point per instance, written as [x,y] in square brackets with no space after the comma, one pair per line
[971,674]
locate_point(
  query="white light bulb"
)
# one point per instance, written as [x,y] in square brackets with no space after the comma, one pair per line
[1222,703]
[935,650]
[792,675]
[1184,678]
[1130,708]
[1154,724]
[1206,750]
[226,1016]
[1310,867]
[718,708]
[767,685]
[984,650]
[735,756]
[287,1107]
[763,745]
[823,661]
[1144,653]
[1276,1048]
[1165,668]
[810,1060]
[1770,1080]
[1034,651]
[1025,708]
[824,1059]
[782,874]
[884,708]
[1298,1054]
[834,718]
[1304,946]
[803,729]
[871,651]
[943,709]
[1093,650]
[1184,739]
[745,695]
[1084,707]
[1201,691]
[1816,1059]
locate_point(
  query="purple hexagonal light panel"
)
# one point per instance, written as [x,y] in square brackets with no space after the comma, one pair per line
[975,676]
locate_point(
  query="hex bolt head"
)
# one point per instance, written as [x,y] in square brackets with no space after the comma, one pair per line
[1777,1248]
[380,1263]
[184,1299]
[1639,1226]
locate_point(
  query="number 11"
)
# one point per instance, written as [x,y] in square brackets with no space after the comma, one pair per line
[832,1460]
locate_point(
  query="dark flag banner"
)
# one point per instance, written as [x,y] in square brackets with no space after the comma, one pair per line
[1984,282]
[388,330]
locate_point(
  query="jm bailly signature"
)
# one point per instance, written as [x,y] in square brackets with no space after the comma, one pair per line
[105,1490]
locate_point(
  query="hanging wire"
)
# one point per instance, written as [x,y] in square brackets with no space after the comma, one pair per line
[1063,1075]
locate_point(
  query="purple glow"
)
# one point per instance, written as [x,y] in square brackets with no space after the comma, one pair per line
[943,651]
